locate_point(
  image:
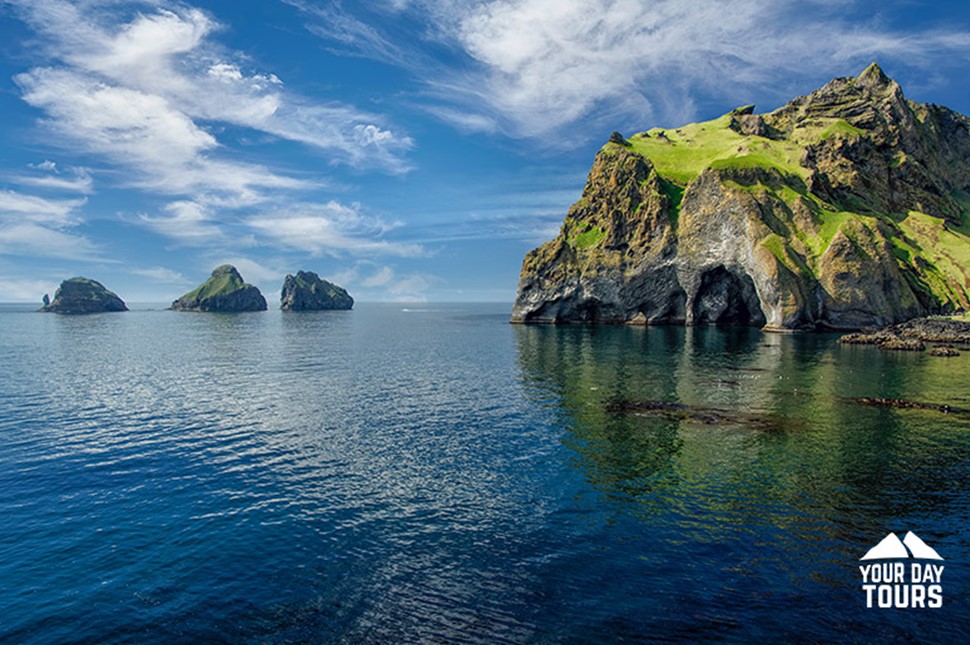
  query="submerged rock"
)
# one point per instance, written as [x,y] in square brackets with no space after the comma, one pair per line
[697,414]
[306,291]
[224,291]
[904,404]
[82,296]
[840,210]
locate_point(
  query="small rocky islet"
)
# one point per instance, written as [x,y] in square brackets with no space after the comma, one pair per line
[306,291]
[77,296]
[224,291]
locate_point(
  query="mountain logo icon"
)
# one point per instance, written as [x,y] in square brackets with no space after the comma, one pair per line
[892,547]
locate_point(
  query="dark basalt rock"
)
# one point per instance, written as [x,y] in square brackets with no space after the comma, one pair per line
[306,291]
[617,138]
[913,335]
[224,291]
[82,296]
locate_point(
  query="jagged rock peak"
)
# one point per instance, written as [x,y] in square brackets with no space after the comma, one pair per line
[617,138]
[873,77]
[224,291]
[82,296]
[306,291]
[225,269]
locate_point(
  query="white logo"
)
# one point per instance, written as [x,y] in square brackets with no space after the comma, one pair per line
[893,584]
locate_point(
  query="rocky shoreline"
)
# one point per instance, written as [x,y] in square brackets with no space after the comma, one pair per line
[942,336]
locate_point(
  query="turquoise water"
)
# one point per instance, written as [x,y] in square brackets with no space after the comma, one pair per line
[431,473]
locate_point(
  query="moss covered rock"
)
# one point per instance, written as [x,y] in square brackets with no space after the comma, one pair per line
[224,291]
[846,208]
[83,296]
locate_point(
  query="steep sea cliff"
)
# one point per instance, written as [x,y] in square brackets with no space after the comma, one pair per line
[843,209]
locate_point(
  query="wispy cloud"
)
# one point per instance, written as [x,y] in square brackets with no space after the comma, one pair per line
[14,289]
[33,240]
[367,279]
[137,89]
[38,210]
[48,176]
[186,222]
[331,228]
[35,226]
[532,68]
[162,275]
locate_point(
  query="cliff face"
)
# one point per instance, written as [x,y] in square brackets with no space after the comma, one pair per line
[83,296]
[846,208]
[224,291]
[306,291]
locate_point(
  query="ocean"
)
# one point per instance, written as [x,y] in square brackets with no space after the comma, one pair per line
[430,473]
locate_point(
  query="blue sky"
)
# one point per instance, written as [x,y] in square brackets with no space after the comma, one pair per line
[406,149]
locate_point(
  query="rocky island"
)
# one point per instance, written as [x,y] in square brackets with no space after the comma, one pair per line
[843,209]
[306,291]
[224,291]
[80,295]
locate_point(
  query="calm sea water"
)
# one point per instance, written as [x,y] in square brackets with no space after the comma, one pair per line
[431,473]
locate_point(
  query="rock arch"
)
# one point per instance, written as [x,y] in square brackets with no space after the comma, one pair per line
[726,298]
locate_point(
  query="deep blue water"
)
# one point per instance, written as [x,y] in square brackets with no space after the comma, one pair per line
[432,473]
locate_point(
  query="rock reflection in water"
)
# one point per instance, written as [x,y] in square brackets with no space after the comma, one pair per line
[652,424]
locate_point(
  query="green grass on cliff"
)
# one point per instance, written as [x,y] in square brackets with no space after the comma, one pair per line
[822,128]
[683,153]
[963,199]
[217,285]
[588,238]
[946,248]
[938,252]
[675,193]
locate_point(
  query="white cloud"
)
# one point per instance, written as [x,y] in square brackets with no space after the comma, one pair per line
[78,181]
[136,92]
[332,229]
[16,206]
[369,280]
[412,287]
[32,240]
[162,275]
[532,68]
[165,147]
[379,279]
[188,223]
[35,226]
[13,289]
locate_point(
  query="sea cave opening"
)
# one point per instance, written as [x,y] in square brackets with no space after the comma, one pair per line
[725,298]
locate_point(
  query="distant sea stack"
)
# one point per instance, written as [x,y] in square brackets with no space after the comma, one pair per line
[224,291]
[82,296]
[306,291]
[846,208]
